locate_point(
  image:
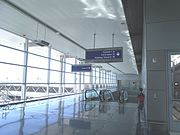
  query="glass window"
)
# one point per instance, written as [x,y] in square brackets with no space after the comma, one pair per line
[11,73]
[68,67]
[12,52]
[55,65]
[69,78]
[94,75]
[36,75]
[56,54]
[86,77]
[56,60]
[103,76]
[11,56]
[37,61]
[71,60]
[69,63]
[97,75]
[43,51]
[11,40]
[55,77]
[82,77]
[175,87]
[78,78]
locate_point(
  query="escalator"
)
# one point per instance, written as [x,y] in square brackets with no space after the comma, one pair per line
[98,95]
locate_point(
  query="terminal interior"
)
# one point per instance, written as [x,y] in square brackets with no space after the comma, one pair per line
[77,67]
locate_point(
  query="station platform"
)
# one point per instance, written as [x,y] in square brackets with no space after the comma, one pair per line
[72,115]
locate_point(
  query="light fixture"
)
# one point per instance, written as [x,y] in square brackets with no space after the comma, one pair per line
[40,42]
[57,32]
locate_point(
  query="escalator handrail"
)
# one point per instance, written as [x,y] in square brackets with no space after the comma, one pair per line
[91,90]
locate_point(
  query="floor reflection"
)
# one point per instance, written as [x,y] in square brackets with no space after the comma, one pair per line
[72,116]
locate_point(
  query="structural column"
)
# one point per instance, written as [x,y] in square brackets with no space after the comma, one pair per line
[48,73]
[61,75]
[23,90]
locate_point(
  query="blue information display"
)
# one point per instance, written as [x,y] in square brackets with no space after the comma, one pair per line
[104,55]
[82,68]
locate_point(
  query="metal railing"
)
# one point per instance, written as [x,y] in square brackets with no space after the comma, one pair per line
[6,96]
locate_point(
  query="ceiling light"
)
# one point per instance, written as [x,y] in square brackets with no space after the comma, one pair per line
[58,33]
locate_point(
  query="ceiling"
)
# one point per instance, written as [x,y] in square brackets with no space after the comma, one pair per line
[134,15]
[79,20]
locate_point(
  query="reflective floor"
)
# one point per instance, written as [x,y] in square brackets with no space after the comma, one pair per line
[73,116]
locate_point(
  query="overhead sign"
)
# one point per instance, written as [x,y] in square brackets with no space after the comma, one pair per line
[104,55]
[82,68]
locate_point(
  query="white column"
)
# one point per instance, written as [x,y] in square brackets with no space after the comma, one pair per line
[75,79]
[80,82]
[61,75]
[91,79]
[23,90]
[48,73]
[64,73]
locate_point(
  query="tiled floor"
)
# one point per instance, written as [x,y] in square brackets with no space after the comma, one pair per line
[71,116]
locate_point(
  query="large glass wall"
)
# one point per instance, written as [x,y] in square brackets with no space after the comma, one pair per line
[37,72]
[29,71]
[69,86]
[11,66]
[56,68]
